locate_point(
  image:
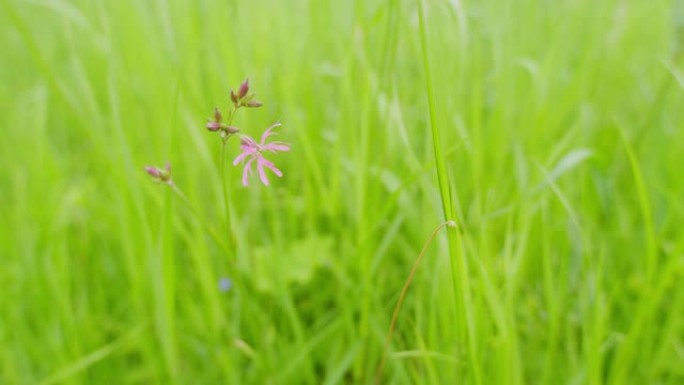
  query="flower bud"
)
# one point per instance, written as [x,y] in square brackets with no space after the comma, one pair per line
[153,171]
[253,104]
[160,175]
[233,97]
[244,89]
[213,126]
[232,129]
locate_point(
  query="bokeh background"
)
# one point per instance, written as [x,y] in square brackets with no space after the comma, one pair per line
[560,126]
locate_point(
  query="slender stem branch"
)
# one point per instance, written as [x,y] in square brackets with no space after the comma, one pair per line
[402,296]
[193,211]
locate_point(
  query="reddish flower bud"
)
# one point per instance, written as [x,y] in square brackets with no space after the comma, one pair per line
[232,129]
[244,89]
[160,175]
[153,171]
[213,126]
[233,97]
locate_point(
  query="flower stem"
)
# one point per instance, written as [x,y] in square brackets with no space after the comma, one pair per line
[224,188]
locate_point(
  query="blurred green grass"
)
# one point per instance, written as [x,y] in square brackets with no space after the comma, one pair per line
[561,127]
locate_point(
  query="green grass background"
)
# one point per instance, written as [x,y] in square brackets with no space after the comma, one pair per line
[560,131]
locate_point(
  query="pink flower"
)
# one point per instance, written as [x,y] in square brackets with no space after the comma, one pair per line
[253,151]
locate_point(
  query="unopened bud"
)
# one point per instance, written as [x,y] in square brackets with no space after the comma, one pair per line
[253,104]
[232,129]
[233,97]
[213,126]
[244,89]
[160,175]
[153,171]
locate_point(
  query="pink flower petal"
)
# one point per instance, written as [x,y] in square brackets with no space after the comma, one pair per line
[268,133]
[268,164]
[248,149]
[276,146]
[273,168]
[246,171]
[248,142]
[241,157]
[262,173]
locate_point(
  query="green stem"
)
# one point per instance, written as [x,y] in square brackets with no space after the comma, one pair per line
[224,188]
[224,184]
[461,284]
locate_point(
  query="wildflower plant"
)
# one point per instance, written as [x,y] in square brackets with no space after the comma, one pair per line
[251,154]
[251,150]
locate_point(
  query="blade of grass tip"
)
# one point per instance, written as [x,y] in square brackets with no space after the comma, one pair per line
[461,283]
[442,176]
[402,296]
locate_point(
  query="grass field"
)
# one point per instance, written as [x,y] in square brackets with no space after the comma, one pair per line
[550,132]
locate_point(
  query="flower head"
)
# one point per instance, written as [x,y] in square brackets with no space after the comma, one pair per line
[253,151]
[242,98]
[216,124]
[160,175]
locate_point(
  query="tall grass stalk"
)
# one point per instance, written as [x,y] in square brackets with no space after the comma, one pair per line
[464,310]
